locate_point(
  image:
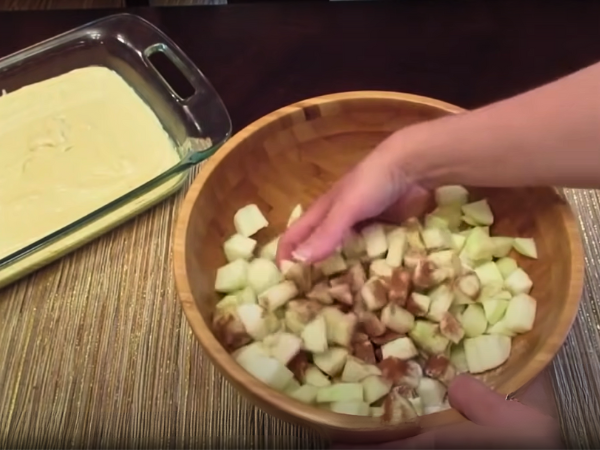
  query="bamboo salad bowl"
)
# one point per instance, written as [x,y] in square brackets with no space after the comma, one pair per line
[295,154]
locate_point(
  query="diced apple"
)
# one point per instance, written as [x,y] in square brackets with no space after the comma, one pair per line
[413,234]
[371,324]
[431,392]
[518,282]
[466,288]
[355,370]
[494,309]
[479,211]
[249,220]
[283,346]
[486,352]
[417,404]
[354,246]
[232,277]
[380,268]
[500,328]
[459,359]
[401,348]
[506,266]
[254,320]
[375,388]
[314,336]
[441,299]
[314,377]
[305,394]
[437,238]
[340,326]
[457,310]
[248,352]
[413,257]
[397,244]
[502,246]
[433,221]
[397,319]
[334,264]
[403,373]
[340,392]
[489,273]
[398,409]
[351,407]
[229,301]
[342,294]
[427,275]
[376,411]
[448,260]
[247,296]
[473,321]
[491,290]
[520,314]
[320,293]
[269,251]
[451,328]
[526,247]
[268,370]
[458,241]
[418,304]
[364,351]
[239,247]
[299,313]
[299,273]
[375,240]
[263,274]
[451,195]
[357,276]
[229,329]
[278,295]
[331,361]
[292,386]
[295,214]
[428,337]
[479,245]
[440,368]
[374,294]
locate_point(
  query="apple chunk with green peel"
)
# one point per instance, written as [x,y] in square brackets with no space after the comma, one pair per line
[257,322]
[375,387]
[451,195]
[314,377]
[331,361]
[397,319]
[526,247]
[351,407]
[232,277]
[239,247]
[340,326]
[518,282]
[520,313]
[401,348]
[314,335]
[269,250]
[340,392]
[249,220]
[305,393]
[277,296]
[441,300]
[263,274]
[375,240]
[299,313]
[355,370]
[479,211]
[473,321]
[418,304]
[428,337]
[486,352]
[506,266]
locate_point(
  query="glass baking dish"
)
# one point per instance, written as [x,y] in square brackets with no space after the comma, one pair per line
[197,124]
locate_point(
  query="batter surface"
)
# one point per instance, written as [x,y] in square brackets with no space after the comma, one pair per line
[69,145]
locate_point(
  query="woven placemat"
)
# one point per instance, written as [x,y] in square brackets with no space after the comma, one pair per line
[95,353]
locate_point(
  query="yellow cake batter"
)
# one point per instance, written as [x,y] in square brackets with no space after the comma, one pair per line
[69,145]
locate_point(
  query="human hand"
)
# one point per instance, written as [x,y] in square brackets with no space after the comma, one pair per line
[493,422]
[376,186]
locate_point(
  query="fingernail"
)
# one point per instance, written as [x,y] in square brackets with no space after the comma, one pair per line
[301,255]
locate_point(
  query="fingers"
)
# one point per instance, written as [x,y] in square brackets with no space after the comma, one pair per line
[485,407]
[303,227]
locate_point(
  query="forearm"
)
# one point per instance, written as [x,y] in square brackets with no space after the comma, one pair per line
[548,136]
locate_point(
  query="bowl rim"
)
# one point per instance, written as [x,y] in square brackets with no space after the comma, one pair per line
[309,414]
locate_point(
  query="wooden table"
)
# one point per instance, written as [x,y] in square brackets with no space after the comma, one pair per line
[95,350]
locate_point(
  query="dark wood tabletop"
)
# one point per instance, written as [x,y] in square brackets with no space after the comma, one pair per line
[262,56]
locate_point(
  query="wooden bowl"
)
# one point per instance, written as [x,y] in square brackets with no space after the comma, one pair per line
[295,154]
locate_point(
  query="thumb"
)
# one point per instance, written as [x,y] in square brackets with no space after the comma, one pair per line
[481,405]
